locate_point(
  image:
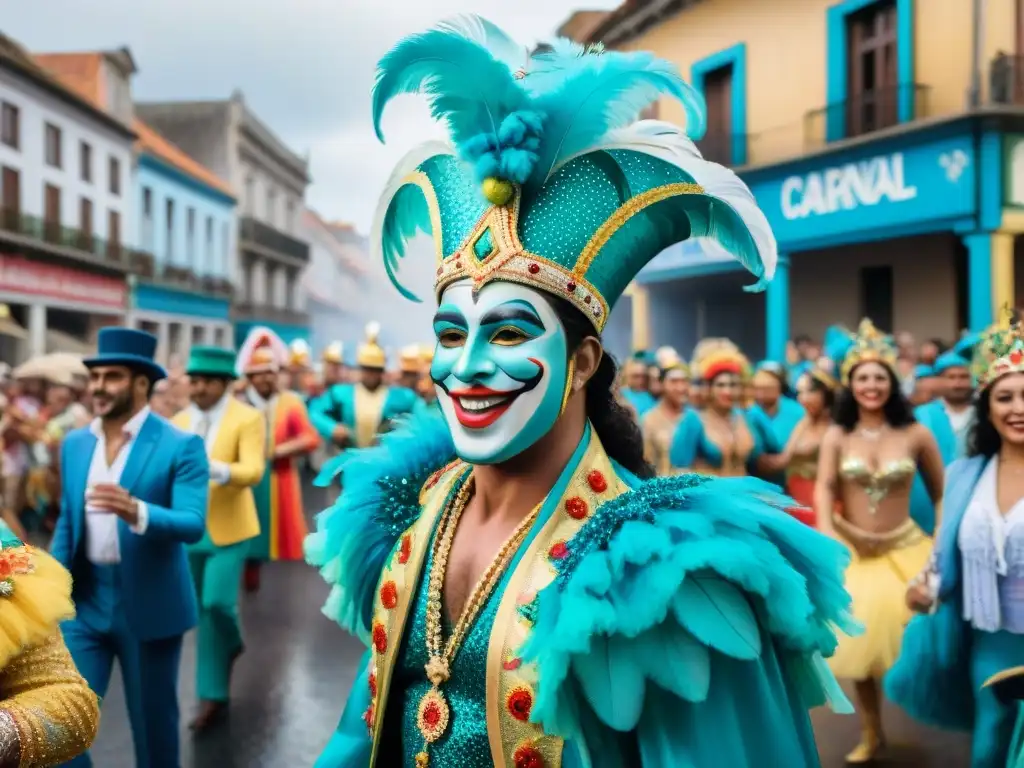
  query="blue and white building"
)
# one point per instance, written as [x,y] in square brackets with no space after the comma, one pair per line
[185,248]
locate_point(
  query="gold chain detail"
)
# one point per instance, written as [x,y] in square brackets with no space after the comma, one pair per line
[433,713]
[624,213]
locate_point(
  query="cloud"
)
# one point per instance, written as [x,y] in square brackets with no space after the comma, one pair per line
[305,67]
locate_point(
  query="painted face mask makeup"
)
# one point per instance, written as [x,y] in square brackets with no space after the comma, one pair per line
[500,368]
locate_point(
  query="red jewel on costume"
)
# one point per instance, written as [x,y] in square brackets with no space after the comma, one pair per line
[380,638]
[368,717]
[1016,356]
[511,665]
[432,714]
[389,595]
[570,286]
[520,702]
[405,549]
[586,299]
[373,684]
[528,756]
[533,268]
[597,482]
[558,550]
[576,508]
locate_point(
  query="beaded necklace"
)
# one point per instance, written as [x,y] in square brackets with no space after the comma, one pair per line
[433,713]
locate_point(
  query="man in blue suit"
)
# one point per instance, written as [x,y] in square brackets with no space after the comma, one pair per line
[134,494]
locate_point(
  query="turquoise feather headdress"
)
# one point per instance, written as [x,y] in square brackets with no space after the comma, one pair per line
[548,180]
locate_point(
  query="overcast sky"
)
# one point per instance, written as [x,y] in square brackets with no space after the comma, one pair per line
[305,67]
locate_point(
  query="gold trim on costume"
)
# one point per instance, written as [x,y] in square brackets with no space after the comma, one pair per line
[510,681]
[403,572]
[624,213]
[905,534]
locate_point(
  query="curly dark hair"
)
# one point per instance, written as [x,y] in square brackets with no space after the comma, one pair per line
[897,410]
[615,426]
[983,438]
[828,394]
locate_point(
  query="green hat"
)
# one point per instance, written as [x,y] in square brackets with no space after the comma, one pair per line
[211,361]
[548,181]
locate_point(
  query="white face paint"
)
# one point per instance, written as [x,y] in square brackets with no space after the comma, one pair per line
[500,368]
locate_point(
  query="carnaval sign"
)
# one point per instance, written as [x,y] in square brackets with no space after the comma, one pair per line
[868,182]
[912,184]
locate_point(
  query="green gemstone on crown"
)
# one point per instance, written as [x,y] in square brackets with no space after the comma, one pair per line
[484,246]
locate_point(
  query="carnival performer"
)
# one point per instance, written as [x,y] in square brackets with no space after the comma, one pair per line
[410,367]
[236,443]
[867,464]
[48,714]
[636,388]
[720,439]
[355,414]
[816,390]
[134,492]
[289,436]
[618,620]
[772,400]
[335,371]
[925,385]
[425,386]
[660,423]
[949,418]
[977,572]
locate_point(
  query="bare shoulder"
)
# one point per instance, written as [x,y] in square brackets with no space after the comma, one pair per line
[833,437]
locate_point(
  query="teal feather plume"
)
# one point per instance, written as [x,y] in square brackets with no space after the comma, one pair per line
[837,344]
[584,95]
[354,538]
[462,67]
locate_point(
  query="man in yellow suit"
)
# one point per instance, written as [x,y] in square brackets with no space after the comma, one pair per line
[236,443]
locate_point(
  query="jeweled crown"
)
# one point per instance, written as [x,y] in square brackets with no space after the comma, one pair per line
[548,180]
[714,356]
[999,352]
[867,345]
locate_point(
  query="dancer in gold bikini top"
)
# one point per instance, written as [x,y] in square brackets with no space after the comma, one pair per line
[868,461]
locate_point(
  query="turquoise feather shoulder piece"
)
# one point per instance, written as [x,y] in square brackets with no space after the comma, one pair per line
[666,576]
[381,500]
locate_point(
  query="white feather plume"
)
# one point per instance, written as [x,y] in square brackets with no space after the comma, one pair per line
[372,332]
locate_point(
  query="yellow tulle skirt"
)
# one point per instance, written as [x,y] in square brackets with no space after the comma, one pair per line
[877,583]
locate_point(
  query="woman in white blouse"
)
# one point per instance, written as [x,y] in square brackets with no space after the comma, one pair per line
[973,592]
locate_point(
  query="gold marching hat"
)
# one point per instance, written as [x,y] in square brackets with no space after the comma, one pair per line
[410,359]
[370,354]
[334,353]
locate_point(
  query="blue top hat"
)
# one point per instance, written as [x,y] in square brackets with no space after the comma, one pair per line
[128,347]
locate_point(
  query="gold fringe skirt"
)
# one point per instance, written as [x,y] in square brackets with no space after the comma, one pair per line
[880,569]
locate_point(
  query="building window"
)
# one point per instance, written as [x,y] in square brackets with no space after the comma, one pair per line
[85,161]
[190,238]
[873,88]
[170,232]
[272,207]
[11,198]
[717,142]
[211,264]
[225,244]
[289,222]
[114,234]
[250,192]
[85,217]
[115,176]
[51,212]
[10,125]
[147,219]
[876,295]
[52,139]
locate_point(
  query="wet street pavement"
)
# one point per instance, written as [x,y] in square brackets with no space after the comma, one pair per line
[291,683]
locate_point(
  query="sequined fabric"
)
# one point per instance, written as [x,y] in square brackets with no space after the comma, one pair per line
[465,745]
[56,713]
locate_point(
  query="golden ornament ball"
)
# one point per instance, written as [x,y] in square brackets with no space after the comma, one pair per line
[498,191]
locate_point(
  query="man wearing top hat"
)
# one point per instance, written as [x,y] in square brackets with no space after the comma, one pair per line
[134,493]
[235,437]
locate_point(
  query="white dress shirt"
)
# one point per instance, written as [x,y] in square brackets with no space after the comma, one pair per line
[102,545]
[207,424]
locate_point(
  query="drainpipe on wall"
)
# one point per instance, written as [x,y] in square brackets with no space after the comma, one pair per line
[977,17]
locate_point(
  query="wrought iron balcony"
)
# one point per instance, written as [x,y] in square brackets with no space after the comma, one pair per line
[181,278]
[724,148]
[246,310]
[66,243]
[261,238]
[866,112]
[1006,80]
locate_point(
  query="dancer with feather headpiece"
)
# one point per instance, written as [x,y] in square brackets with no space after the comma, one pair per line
[617,619]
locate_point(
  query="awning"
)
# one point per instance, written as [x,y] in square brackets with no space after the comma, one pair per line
[691,258]
[58,341]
